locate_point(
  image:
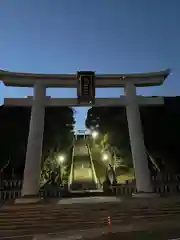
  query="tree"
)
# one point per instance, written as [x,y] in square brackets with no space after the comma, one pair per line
[58,132]
[162,132]
[160,126]
[112,123]
[14,129]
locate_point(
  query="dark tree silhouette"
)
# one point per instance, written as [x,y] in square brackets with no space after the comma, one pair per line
[14,129]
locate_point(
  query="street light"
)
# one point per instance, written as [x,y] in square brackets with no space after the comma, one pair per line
[105,157]
[95,134]
[61,159]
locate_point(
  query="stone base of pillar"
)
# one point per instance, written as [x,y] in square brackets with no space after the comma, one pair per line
[145,195]
[29,199]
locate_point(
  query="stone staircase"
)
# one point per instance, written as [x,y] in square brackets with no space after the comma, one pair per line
[23,221]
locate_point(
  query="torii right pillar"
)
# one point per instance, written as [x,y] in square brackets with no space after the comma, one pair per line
[140,160]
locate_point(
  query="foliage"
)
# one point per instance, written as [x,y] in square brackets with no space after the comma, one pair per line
[50,165]
[161,131]
[14,129]
[109,122]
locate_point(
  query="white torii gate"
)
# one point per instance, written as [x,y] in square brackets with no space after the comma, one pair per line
[39,100]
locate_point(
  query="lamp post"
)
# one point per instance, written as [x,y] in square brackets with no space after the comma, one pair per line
[105,157]
[61,160]
[95,134]
[1,173]
[113,154]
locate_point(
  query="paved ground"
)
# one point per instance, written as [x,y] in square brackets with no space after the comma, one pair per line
[145,235]
[91,200]
[139,235]
[155,231]
[148,235]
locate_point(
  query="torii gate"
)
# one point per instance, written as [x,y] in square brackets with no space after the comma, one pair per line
[131,101]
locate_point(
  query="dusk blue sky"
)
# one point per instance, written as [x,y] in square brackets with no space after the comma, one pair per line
[106,36]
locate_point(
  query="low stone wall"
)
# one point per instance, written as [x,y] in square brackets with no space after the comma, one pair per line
[159,187]
[11,189]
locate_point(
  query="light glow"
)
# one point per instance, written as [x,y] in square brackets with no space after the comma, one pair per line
[104,157]
[61,159]
[95,134]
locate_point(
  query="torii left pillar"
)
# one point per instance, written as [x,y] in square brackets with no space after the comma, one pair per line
[31,181]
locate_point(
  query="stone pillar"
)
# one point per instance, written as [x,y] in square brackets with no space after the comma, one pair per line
[31,181]
[140,161]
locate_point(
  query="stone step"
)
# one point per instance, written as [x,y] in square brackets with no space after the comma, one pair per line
[75,217]
[31,230]
[38,221]
[90,216]
[33,219]
[122,202]
[78,214]
[44,229]
[81,207]
[81,215]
